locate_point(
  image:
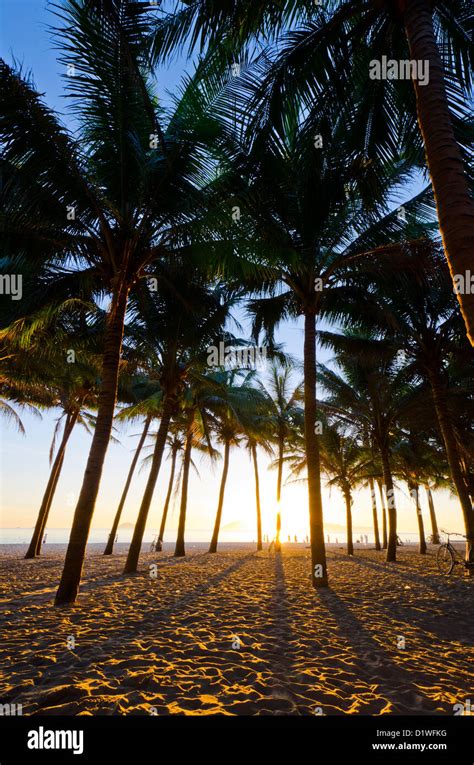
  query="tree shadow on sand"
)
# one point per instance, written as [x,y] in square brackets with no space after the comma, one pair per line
[431,581]
[375,665]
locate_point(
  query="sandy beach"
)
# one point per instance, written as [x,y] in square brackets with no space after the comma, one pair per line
[236,633]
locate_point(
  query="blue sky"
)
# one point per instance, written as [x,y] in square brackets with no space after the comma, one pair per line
[24,37]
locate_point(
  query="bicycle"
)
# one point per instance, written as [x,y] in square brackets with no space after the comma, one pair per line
[447,557]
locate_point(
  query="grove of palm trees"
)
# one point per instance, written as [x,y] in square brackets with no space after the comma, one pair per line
[237,327]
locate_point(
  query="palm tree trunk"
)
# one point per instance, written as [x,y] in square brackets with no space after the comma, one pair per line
[450,186]
[434,523]
[350,543]
[391,507]
[217,524]
[444,420]
[179,550]
[319,575]
[34,548]
[110,542]
[374,514]
[415,489]
[135,546]
[281,447]
[257,497]
[384,515]
[74,561]
[50,502]
[174,456]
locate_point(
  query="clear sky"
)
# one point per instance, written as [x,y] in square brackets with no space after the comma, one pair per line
[24,459]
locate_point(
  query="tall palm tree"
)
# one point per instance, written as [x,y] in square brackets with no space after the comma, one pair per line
[384,513]
[407,466]
[258,435]
[109,547]
[434,524]
[313,217]
[371,394]
[176,445]
[73,412]
[35,371]
[420,461]
[285,415]
[326,52]
[106,202]
[252,446]
[231,416]
[228,432]
[419,314]
[175,350]
[198,394]
[373,500]
[344,462]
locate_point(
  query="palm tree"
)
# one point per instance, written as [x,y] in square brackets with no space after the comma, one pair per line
[176,445]
[434,524]
[284,415]
[35,372]
[384,513]
[418,314]
[113,532]
[252,446]
[345,463]
[73,412]
[368,480]
[326,53]
[105,202]
[230,435]
[231,416]
[258,434]
[227,430]
[175,350]
[372,394]
[311,244]
[9,413]
[408,466]
[373,499]
[196,398]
